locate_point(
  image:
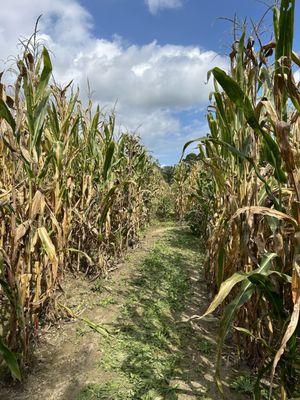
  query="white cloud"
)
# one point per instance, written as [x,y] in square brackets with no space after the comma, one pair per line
[152,84]
[65,21]
[156,5]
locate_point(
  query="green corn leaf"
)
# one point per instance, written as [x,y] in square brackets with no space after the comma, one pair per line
[5,114]
[220,107]
[246,291]
[10,360]
[95,121]
[236,95]
[29,97]
[108,159]
[240,60]
[212,126]
[108,134]
[69,112]
[267,289]
[187,144]
[283,55]
[46,74]
[276,15]
[54,123]
[285,30]
[230,311]
[274,157]
[236,278]
[39,119]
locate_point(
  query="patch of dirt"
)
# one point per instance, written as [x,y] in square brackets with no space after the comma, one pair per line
[67,355]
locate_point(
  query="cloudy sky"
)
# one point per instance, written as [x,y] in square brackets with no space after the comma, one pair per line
[149,56]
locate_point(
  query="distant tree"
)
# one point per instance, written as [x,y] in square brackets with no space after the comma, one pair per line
[168,172]
[191,158]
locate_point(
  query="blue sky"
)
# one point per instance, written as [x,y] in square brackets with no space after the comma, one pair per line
[195,23]
[149,56]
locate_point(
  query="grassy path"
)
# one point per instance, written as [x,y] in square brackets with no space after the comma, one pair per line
[148,354]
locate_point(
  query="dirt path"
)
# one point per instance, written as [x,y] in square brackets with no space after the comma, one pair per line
[147,353]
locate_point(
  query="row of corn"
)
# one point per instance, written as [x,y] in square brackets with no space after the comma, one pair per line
[73,196]
[252,156]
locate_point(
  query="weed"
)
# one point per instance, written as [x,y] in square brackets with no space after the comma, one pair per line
[243,384]
[205,346]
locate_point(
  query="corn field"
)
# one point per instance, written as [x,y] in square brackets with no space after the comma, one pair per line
[73,196]
[252,155]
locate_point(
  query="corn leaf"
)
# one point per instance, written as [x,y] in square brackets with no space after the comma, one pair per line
[10,360]
[46,73]
[245,293]
[5,114]
[108,160]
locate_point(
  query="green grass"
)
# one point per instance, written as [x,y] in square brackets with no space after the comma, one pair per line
[107,301]
[245,384]
[205,346]
[108,391]
[147,353]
